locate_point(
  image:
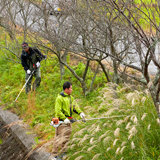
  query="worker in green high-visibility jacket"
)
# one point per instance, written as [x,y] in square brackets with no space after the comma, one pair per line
[64,107]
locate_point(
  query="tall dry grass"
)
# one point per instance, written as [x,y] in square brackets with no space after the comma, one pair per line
[133,136]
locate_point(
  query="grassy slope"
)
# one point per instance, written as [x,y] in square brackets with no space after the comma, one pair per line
[134,136]
[128,137]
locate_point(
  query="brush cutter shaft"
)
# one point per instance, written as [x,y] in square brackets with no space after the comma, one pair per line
[83,120]
[24,85]
[104,117]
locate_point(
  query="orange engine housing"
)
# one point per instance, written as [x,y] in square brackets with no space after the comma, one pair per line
[55,120]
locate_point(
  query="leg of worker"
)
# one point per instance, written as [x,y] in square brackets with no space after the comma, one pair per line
[37,81]
[62,137]
[28,85]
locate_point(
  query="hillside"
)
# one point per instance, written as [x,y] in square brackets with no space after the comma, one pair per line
[130,132]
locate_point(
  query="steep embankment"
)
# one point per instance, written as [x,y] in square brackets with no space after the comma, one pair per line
[15,143]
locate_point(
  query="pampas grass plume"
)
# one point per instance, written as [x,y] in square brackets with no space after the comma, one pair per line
[126,118]
[115,141]
[83,139]
[144,116]
[116,132]
[110,112]
[130,96]
[143,99]
[106,139]
[76,153]
[105,124]
[96,156]
[97,129]
[132,145]
[83,148]
[133,130]
[121,151]
[89,149]
[117,150]
[92,127]
[102,136]
[130,136]
[123,143]
[149,126]
[91,140]
[108,149]
[119,122]
[75,139]
[158,121]
[78,158]
[134,119]
[79,133]
[147,92]
[133,102]
[72,146]
[128,125]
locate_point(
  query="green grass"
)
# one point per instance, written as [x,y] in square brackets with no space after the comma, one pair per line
[38,108]
[133,136]
[144,1]
[128,137]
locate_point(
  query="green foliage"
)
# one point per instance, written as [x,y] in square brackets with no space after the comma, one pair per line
[131,132]
[38,107]
[36,139]
[80,69]
[144,1]
[130,137]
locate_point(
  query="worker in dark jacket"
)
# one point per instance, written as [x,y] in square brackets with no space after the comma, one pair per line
[30,59]
[64,107]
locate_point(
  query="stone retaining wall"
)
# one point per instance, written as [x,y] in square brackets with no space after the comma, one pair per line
[16,144]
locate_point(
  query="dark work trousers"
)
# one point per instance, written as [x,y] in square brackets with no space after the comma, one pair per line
[37,75]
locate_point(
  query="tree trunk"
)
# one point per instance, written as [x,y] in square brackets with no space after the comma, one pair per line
[115,79]
[103,68]
[153,92]
[63,59]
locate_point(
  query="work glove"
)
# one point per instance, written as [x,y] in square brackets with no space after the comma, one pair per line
[66,121]
[51,123]
[82,115]
[28,71]
[38,64]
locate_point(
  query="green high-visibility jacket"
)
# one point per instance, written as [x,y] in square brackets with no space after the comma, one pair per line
[65,106]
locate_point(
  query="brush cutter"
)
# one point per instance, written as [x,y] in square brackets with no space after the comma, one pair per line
[55,121]
[25,85]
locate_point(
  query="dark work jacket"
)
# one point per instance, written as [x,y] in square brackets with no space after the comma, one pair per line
[28,60]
